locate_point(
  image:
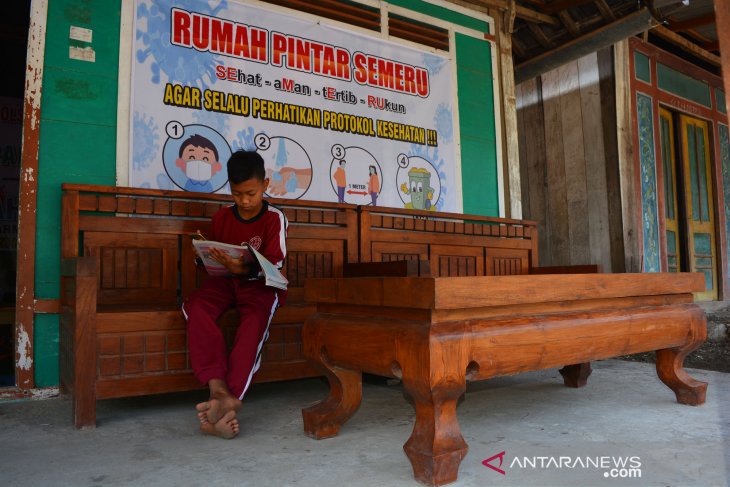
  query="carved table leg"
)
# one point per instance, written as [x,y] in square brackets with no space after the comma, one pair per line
[323,419]
[670,364]
[670,369]
[436,447]
[576,375]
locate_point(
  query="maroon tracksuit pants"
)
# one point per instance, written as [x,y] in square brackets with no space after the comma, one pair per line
[209,356]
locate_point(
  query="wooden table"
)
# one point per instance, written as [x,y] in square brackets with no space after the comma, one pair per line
[437,333]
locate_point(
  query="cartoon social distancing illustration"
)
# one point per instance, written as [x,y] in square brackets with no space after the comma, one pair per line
[374,185]
[340,178]
[356,175]
[192,157]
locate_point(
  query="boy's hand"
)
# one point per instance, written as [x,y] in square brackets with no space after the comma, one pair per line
[234,266]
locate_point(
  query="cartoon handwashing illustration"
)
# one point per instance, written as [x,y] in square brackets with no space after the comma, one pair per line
[419,188]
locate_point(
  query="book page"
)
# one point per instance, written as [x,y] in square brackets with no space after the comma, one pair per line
[215,268]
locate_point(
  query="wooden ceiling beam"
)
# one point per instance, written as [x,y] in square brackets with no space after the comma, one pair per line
[540,36]
[522,12]
[569,23]
[519,48]
[605,10]
[688,24]
[558,5]
[536,17]
[686,45]
[591,42]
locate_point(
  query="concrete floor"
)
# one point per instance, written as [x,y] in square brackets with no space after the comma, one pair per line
[153,441]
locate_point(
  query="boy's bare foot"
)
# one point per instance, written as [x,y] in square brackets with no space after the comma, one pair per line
[221,402]
[212,410]
[226,427]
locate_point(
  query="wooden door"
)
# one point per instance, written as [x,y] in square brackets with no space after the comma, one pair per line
[698,198]
[671,209]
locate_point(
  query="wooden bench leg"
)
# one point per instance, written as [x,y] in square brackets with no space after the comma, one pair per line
[670,364]
[670,369]
[436,447]
[323,419]
[576,375]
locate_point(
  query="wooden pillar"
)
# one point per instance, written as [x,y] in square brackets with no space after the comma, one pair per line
[722,18]
[510,139]
[626,161]
[25,288]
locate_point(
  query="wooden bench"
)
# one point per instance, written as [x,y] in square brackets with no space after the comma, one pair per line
[127,264]
[437,333]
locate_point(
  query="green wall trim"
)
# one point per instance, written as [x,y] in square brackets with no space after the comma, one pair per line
[720,100]
[78,120]
[480,193]
[641,67]
[45,348]
[680,84]
[443,14]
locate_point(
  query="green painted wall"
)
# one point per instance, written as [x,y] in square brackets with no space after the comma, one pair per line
[443,14]
[77,142]
[78,133]
[477,125]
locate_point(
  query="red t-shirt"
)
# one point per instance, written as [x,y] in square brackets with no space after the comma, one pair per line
[266,232]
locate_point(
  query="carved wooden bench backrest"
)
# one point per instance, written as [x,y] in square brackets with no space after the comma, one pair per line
[141,239]
[455,246]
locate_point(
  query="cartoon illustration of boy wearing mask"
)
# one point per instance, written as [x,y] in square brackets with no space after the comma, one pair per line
[199,161]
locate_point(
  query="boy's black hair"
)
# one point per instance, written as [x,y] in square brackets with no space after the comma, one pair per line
[199,141]
[244,165]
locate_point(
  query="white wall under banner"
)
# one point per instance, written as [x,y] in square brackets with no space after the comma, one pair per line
[337,115]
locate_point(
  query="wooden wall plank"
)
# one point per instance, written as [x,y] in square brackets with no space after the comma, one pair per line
[537,166]
[521,142]
[611,154]
[575,164]
[590,94]
[557,204]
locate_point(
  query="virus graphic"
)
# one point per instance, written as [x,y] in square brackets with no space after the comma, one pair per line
[433,63]
[444,122]
[164,182]
[431,154]
[213,120]
[244,140]
[145,136]
[179,64]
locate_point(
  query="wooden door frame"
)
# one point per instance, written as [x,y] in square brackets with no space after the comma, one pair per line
[25,303]
[684,122]
[681,106]
[673,165]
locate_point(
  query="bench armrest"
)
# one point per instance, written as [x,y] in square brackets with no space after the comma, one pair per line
[79,282]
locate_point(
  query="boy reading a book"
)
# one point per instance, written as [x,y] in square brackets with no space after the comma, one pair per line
[253,221]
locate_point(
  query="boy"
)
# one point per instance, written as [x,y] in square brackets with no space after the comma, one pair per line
[254,221]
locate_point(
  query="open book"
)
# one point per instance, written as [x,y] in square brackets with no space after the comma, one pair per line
[272,276]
